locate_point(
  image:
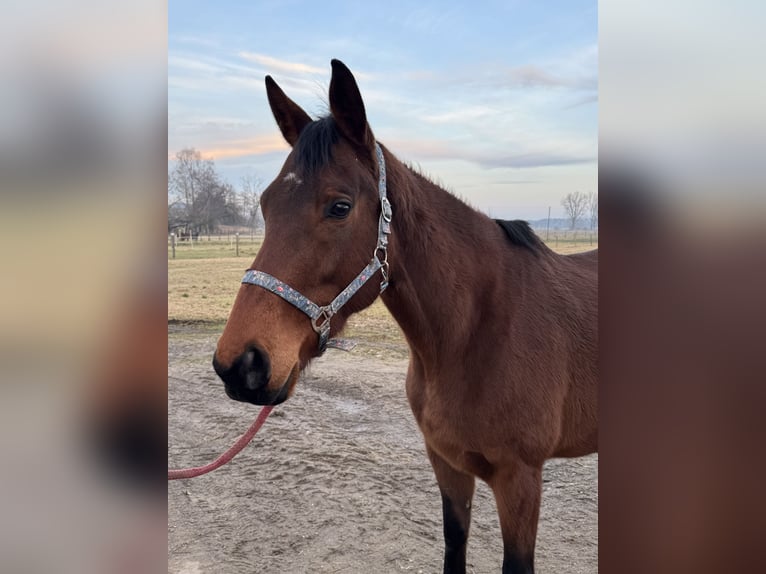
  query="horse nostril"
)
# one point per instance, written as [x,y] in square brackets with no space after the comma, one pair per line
[250,371]
[248,359]
[255,369]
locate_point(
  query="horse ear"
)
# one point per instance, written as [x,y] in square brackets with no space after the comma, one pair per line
[290,117]
[347,106]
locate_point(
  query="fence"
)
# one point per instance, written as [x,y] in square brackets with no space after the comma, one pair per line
[213,246]
[247,244]
[572,239]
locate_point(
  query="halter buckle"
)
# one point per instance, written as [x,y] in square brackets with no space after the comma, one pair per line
[386,211]
[384,250]
[384,274]
[326,314]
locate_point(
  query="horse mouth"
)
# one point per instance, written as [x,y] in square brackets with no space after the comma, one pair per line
[287,387]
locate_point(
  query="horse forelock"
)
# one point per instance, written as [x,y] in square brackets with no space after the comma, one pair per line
[314,148]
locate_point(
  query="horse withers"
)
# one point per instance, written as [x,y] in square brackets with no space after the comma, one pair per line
[502,331]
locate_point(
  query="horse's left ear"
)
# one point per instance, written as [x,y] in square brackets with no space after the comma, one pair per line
[347,106]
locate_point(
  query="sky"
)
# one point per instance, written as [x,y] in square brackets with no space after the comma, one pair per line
[496,101]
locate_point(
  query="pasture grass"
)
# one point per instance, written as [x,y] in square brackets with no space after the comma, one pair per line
[568,248]
[203,282]
[203,290]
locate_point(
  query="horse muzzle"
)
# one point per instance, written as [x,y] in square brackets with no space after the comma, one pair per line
[248,379]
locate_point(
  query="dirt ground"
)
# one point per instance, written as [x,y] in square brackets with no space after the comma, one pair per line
[337,480]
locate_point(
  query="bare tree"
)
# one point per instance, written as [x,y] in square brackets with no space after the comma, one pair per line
[198,198]
[575,204]
[191,175]
[251,199]
[593,209]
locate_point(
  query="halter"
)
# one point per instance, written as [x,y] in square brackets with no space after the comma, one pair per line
[320,315]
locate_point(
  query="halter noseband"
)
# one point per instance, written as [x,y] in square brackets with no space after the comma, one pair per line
[320,315]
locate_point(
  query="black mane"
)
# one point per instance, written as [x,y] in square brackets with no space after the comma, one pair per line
[314,146]
[519,233]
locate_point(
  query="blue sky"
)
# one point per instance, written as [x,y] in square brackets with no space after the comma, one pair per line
[497,101]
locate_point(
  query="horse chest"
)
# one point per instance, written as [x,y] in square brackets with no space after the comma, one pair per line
[446,428]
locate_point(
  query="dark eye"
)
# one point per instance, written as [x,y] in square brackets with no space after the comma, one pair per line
[339,209]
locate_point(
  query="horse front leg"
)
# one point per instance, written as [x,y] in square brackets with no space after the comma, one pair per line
[457,493]
[517,491]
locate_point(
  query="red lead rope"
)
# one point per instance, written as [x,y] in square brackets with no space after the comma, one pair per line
[175,474]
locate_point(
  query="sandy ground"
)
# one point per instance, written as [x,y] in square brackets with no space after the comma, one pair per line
[337,480]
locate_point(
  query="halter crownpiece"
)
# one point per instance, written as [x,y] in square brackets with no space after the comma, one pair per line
[321,315]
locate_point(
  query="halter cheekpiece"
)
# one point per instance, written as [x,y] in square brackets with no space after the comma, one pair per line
[321,315]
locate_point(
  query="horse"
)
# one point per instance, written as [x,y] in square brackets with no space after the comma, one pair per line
[502,331]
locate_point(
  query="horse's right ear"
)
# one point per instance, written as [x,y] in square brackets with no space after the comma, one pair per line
[290,117]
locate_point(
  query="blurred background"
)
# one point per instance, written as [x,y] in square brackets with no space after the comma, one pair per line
[83,167]
[681,289]
[82,286]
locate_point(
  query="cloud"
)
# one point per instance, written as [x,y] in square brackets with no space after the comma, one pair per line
[203,41]
[576,70]
[190,73]
[490,159]
[196,73]
[277,65]
[534,76]
[537,77]
[239,148]
[588,99]
[463,114]
[533,159]
[514,181]
[193,64]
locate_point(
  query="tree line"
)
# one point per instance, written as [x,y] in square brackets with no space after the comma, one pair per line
[200,200]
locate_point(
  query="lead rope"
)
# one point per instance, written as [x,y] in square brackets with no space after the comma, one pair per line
[242,442]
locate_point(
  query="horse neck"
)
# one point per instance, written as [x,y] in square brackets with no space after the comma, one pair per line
[447,266]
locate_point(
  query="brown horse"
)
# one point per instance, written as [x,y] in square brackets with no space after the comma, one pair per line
[502,331]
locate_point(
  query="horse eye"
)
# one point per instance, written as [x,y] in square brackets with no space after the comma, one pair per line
[339,209]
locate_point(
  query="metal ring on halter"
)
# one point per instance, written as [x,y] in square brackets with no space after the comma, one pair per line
[326,313]
[381,249]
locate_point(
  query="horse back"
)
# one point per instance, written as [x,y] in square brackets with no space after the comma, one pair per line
[588,259]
